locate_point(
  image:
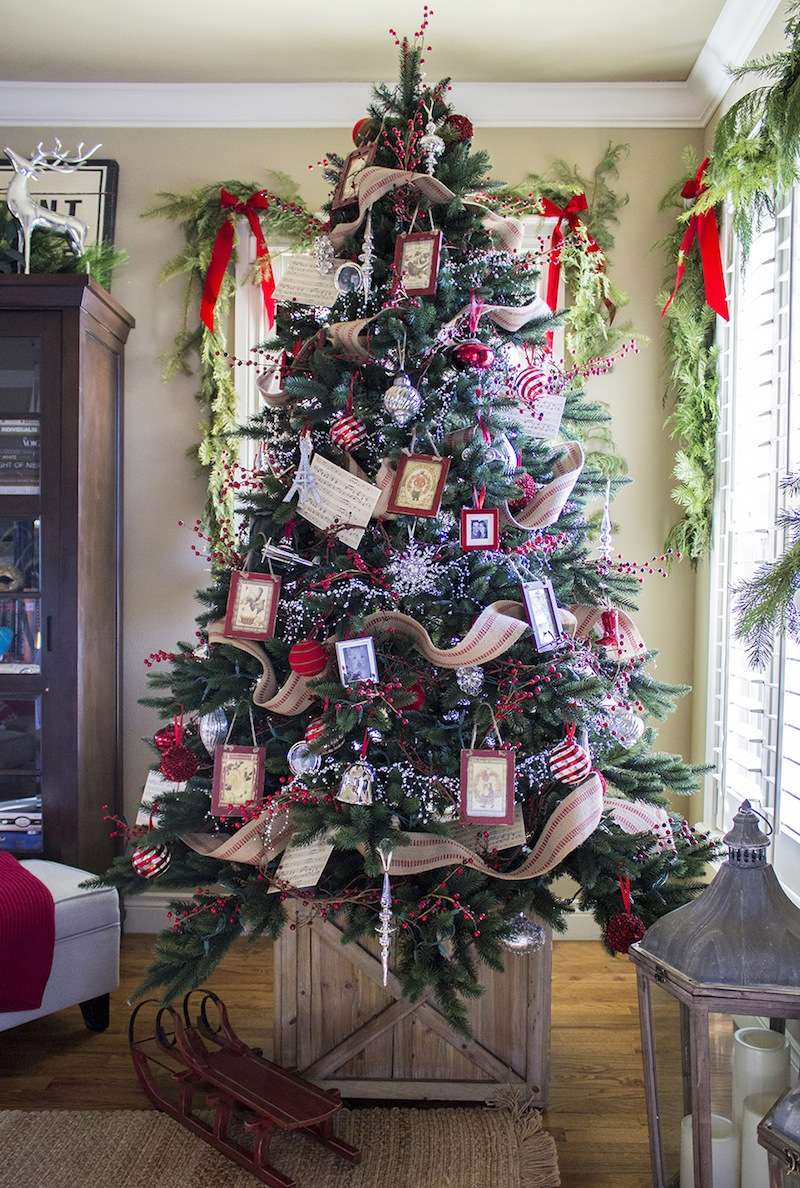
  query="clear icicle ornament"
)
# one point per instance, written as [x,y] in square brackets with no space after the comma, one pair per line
[365,256]
[212,728]
[385,930]
[606,542]
[432,145]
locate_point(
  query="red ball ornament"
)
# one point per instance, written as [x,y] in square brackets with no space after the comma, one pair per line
[151,861]
[178,764]
[165,738]
[363,130]
[419,696]
[458,128]
[348,432]
[623,930]
[317,731]
[308,658]
[474,354]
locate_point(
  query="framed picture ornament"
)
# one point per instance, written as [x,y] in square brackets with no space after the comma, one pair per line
[252,605]
[346,192]
[416,262]
[542,611]
[238,783]
[357,661]
[418,485]
[487,787]
[480,528]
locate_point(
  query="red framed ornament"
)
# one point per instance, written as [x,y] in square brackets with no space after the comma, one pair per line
[416,262]
[418,485]
[238,783]
[346,192]
[480,528]
[252,606]
[487,787]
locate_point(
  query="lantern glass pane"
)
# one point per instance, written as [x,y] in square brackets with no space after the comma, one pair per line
[666,1012]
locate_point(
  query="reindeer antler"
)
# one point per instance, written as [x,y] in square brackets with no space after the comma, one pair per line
[59,161]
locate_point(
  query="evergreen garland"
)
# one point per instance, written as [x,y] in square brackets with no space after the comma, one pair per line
[51,254]
[765,604]
[689,326]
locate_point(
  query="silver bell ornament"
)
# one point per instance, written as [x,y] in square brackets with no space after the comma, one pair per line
[470,679]
[524,936]
[401,400]
[213,728]
[356,784]
[501,450]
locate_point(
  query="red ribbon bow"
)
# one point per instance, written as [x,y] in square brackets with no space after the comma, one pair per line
[702,227]
[568,214]
[223,246]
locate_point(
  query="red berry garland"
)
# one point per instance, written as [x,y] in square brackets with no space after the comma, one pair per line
[623,930]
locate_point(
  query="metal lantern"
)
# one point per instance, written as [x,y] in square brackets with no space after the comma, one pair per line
[733,951]
[779,1135]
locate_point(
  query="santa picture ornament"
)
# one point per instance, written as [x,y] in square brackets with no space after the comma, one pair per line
[472,353]
[308,658]
[151,861]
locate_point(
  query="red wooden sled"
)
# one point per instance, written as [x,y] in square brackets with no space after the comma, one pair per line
[184,1067]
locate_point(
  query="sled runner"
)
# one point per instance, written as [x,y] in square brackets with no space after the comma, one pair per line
[211,1082]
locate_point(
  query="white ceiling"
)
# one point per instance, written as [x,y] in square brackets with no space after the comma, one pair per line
[246,41]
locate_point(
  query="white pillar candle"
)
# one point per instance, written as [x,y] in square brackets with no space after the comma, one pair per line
[755,1168]
[724,1153]
[760,1065]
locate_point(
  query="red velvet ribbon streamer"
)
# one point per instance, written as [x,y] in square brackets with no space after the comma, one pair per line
[568,214]
[702,227]
[624,882]
[223,246]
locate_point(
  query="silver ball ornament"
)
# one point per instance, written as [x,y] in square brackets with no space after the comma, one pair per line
[213,728]
[501,450]
[524,936]
[470,679]
[302,760]
[401,400]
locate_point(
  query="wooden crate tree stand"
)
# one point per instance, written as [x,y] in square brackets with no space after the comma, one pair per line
[336,1024]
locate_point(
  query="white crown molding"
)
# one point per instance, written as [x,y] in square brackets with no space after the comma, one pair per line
[334,105]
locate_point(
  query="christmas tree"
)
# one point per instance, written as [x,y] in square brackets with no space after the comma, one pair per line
[419,694]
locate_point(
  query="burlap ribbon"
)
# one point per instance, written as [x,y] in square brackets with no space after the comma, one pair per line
[572,822]
[550,500]
[375,182]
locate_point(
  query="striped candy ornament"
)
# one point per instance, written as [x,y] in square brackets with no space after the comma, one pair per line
[530,384]
[348,432]
[150,862]
[317,731]
[570,763]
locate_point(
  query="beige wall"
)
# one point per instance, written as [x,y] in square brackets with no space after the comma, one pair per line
[161,420]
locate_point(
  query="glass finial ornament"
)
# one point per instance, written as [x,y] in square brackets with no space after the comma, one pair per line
[385,930]
[366,255]
[431,145]
[212,728]
[470,679]
[401,400]
[523,936]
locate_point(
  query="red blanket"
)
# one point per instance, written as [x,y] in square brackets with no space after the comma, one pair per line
[27,936]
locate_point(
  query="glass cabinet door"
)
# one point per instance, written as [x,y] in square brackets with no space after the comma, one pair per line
[29,436]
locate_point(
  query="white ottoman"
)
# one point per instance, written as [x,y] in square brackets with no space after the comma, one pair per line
[86,955]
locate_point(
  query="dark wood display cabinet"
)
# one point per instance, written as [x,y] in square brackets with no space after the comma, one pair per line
[61,354]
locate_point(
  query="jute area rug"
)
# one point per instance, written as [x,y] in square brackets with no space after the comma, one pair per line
[405,1148]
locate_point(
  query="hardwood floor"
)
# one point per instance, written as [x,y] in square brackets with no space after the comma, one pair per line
[596,1113]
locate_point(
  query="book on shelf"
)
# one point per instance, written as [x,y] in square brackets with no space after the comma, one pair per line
[19,456]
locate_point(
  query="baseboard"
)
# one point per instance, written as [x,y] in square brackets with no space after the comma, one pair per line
[148,913]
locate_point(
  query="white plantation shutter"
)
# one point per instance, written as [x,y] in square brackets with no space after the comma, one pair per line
[754,717]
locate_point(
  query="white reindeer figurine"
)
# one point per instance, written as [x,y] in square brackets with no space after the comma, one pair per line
[28,211]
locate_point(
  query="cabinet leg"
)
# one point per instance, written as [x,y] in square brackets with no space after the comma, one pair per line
[95,1012]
